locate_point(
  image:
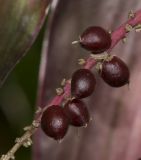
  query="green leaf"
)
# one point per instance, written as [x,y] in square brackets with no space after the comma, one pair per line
[20,22]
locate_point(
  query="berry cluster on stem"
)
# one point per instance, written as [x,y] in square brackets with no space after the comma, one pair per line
[134,22]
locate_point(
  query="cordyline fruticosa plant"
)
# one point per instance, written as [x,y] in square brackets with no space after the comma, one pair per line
[67,107]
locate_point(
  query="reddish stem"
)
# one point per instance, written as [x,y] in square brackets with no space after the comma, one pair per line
[57,100]
[121,32]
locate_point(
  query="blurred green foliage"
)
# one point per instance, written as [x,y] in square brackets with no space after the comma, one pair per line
[18,99]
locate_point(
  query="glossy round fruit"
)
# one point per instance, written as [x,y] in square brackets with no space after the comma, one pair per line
[54,122]
[77,112]
[83,83]
[95,39]
[115,72]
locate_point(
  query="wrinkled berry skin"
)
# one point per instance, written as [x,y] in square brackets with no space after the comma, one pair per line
[115,72]
[77,112]
[83,83]
[95,39]
[54,122]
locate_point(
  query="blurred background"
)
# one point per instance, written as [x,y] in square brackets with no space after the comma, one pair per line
[18,99]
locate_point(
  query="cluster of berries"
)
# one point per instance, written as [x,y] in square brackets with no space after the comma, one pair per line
[55,119]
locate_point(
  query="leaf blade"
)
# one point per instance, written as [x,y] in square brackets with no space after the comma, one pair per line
[21,21]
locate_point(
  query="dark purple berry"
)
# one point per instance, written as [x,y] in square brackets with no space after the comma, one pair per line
[83,83]
[77,112]
[115,72]
[95,39]
[54,122]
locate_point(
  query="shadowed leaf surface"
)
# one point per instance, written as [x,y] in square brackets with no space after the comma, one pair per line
[20,22]
[114,133]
